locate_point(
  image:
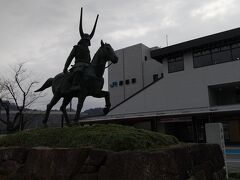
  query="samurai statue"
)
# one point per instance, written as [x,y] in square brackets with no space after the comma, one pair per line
[82,57]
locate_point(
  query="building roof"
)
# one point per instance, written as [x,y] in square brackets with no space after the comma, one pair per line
[160,53]
[165,116]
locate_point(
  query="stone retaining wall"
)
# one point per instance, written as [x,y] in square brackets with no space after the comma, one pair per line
[192,162]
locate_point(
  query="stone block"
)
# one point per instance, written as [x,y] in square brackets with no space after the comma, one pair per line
[91,176]
[96,157]
[9,167]
[17,154]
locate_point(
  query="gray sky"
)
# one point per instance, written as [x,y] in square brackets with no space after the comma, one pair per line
[42,32]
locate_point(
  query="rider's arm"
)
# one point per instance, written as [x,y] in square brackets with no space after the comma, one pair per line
[69,60]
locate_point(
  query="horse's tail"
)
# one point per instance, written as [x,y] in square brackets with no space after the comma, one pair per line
[46,85]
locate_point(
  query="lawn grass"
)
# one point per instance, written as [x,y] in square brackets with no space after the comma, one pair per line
[110,137]
[235,175]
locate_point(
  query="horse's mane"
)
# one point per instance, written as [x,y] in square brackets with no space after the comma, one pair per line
[96,56]
[99,51]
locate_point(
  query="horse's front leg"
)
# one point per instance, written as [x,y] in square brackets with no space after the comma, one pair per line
[81,100]
[106,95]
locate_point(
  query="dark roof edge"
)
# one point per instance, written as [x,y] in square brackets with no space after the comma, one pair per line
[158,54]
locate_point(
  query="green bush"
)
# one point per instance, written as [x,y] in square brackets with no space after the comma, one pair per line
[110,137]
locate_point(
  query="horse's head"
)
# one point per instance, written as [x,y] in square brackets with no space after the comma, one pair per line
[109,52]
[104,53]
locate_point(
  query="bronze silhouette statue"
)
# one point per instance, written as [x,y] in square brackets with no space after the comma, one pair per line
[81,54]
[84,79]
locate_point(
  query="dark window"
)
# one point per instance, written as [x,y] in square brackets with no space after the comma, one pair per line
[134,80]
[236,54]
[201,61]
[216,49]
[236,45]
[115,84]
[221,57]
[216,55]
[120,83]
[224,94]
[175,64]
[155,77]
[145,58]
[238,94]
[202,57]
[127,81]
[225,47]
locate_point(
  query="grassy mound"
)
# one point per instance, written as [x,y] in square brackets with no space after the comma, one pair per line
[110,137]
[235,175]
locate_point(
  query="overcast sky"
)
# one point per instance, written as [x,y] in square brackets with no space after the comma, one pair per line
[42,32]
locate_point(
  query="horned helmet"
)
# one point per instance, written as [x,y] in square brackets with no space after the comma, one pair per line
[84,36]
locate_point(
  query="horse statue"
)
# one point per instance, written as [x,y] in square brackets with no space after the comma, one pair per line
[91,84]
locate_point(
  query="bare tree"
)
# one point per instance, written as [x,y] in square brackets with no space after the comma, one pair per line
[5,106]
[19,90]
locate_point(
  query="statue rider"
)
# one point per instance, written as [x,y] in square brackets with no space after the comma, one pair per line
[82,57]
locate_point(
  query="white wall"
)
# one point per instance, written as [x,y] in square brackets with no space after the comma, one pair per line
[131,65]
[181,90]
[150,67]
[133,68]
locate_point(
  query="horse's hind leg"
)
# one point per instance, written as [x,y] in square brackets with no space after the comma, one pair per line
[54,101]
[106,95]
[66,101]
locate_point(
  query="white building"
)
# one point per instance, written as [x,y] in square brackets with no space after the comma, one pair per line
[180,87]
[134,71]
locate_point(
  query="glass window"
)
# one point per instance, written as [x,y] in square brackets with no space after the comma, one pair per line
[238,94]
[221,57]
[197,53]
[236,54]
[175,64]
[225,47]
[120,83]
[224,94]
[217,49]
[115,84]
[206,52]
[201,61]
[134,80]
[127,81]
[155,77]
[219,53]
[236,45]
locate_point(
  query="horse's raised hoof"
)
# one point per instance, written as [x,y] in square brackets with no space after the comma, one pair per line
[105,111]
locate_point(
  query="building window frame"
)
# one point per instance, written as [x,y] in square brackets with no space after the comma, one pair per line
[214,50]
[175,63]
[155,77]
[120,83]
[145,58]
[114,84]
[134,80]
